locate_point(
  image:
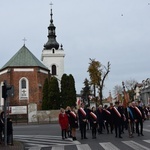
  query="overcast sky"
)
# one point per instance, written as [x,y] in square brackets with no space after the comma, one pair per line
[105,30]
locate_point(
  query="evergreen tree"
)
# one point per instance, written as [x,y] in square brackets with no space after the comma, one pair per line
[54,94]
[71,91]
[64,90]
[45,95]
[68,92]
[86,91]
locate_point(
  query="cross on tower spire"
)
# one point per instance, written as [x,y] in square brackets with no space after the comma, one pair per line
[24,39]
[51,4]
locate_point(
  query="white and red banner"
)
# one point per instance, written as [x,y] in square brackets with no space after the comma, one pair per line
[93,115]
[83,112]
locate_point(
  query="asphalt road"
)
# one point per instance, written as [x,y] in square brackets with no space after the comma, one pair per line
[48,137]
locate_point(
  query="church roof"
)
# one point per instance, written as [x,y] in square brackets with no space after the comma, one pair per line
[24,58]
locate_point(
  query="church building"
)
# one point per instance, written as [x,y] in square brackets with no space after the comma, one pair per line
[27,74]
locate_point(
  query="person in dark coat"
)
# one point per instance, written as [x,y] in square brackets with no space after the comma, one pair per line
[121,109]
[73,122]
[117,118]
[93,118]
[100,119]
[82,120]
[67,111]
[1,125]
[1,130]
[110,108]
[9,131]
[107,119]
[88,110]
[139,118]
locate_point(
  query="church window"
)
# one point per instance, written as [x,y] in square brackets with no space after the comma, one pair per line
[53,50]
[23,83]
[54,70]
[23,88]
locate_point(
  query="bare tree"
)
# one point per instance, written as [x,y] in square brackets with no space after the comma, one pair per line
[130,84]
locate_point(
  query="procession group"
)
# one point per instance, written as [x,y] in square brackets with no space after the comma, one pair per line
[115,118]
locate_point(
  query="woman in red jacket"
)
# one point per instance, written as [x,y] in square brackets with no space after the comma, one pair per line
[63,121]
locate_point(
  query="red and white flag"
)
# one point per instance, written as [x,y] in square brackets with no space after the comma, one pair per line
[78,102]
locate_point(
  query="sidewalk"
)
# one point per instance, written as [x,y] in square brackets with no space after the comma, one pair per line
[16,146]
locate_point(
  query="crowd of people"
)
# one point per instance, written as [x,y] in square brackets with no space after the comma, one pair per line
[113,118]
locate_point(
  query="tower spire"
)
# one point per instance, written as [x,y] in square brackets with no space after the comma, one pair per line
[51,21]
[51,43]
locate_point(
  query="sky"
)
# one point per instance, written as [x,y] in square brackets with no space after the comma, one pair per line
[117,31]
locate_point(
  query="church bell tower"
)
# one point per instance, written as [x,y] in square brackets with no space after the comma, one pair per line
[53,53]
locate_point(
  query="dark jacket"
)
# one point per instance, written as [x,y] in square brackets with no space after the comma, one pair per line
[82,115]
[100,116]
[117,117]
[93,118]
[73,119]
[139,116]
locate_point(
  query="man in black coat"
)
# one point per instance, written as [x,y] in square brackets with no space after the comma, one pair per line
[1,126]
[107,119]
[82,120]
[117,117]
[139,118]
[100,118]
[9,131]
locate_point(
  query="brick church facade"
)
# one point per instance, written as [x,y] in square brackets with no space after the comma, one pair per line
[27,75]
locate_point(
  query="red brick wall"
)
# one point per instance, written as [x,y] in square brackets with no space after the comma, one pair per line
[35,79]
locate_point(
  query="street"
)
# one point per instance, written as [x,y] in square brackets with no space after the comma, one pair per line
[48,137]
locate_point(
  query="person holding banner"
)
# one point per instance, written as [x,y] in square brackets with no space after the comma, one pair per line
[73,122]
[82,120]
[93,118]
[100,118]
[117,117]
[139,118]
[107,119]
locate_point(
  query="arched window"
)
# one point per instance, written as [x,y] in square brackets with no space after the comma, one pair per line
[23,83]
[54,72]
[23,88]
